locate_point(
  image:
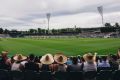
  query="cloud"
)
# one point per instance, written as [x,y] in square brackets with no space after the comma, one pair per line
[16,14]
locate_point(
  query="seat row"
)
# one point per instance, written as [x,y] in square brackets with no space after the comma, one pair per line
[32,75]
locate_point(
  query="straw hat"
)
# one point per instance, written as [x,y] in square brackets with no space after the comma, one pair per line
[60,58]
[19,57]
[4,53]
[85,56]
[47,59]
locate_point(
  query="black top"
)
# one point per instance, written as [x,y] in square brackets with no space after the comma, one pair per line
[3,65]
[45,67]
[32,66]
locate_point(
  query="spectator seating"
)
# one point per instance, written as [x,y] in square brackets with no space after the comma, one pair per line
[29,75]
[4,75]
[104,68]
[116,75]
[16,75]
[69,75]
[104,75]
[75,75]
[61,75]
[44,75]
[32,75]
[90,75]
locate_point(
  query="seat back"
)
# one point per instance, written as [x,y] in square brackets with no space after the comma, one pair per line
[16,75]
[45,75]
[104,75]
[29,75]
[61,75]
[116,75]
[90,75]
[75,76]
[4,75]
[103,68]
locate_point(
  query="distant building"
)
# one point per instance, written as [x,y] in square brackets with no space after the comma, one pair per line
[4,36]
[90,30]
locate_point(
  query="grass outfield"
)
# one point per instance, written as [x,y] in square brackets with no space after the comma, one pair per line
[73,46]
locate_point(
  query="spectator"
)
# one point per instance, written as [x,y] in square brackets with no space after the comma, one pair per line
[31,65]
[46,61]
[118,54]
[69,60]
[61,59]
[90,62]
[5,62]
[17,66]
[82,60]
[75,65]
[24,62]
[37,61]
[104,62]
[12,60]
[118,61]
[113,61]
[79,58]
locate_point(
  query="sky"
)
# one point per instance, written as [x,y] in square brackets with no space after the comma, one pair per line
[26,14]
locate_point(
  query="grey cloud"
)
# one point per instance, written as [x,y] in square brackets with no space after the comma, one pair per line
[25,11]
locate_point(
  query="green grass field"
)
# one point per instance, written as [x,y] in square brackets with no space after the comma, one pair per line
[72,46]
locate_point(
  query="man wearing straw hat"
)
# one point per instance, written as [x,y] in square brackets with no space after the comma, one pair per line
[4,55]
[61,59]
[5,61]
[46,61]
[17,66]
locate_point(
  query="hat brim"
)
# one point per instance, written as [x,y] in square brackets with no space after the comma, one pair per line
[50,61]
[60,62]
[16,58]
[4,52]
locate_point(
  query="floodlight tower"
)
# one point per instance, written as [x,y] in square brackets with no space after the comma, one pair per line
[100,10]
[48,18]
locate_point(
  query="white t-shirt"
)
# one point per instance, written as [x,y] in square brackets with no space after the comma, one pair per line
[15,66]
[89,66]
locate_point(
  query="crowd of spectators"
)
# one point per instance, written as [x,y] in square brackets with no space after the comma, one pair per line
[59,62]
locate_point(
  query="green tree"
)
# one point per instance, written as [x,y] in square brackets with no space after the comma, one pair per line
[78,30]
[117,25]
[39,30]
[1,30]
[43,31]
[54,31]
[6,31]
[31,31]
[108,25]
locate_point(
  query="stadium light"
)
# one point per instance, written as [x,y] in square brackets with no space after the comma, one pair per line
[48,18]
[100,10]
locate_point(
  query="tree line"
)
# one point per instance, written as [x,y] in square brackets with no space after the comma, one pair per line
[39,31]
[65,31]
[110,28]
